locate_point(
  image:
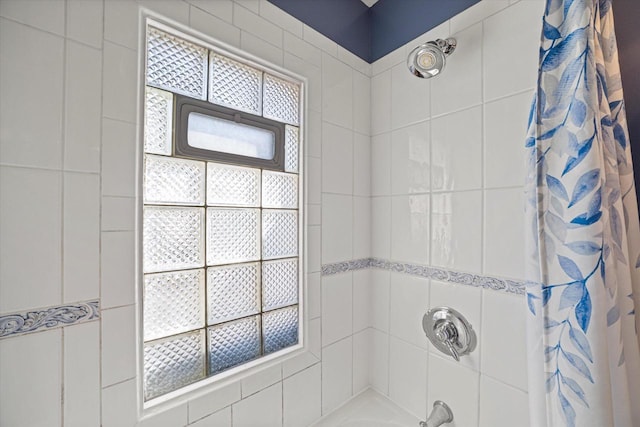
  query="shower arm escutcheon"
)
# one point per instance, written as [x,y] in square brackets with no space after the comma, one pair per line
[449,332]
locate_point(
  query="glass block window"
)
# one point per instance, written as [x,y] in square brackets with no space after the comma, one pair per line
[221,253]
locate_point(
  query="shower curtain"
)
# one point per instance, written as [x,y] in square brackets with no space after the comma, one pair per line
[583,235]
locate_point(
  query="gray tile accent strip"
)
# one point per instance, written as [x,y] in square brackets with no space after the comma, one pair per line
[48,318]
[460,278]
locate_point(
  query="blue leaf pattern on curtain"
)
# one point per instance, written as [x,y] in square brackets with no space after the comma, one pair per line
[584,239]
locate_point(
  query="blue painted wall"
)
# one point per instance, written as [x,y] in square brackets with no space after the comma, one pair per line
[346,22]
[372,33]
[627,18]
[395,22]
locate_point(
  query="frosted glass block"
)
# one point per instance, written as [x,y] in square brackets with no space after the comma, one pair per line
[225,136]
[173,303]
[172,238]
[279,190]
[291,150]
[176,65]
[279,283]
[235,85]
[281,100]
[233,291]
[280,329]
[158,121]
[233,235]
[232,186]
[279,234]
[234,343]
[173,363]
[168,180]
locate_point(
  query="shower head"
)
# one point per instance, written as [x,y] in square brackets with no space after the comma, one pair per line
[428,59]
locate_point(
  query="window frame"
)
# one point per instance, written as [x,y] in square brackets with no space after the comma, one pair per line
[206,386]
[184,105]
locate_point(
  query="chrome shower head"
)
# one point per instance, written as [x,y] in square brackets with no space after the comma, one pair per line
[429,59]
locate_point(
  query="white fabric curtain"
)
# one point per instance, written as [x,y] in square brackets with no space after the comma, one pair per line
[583,237]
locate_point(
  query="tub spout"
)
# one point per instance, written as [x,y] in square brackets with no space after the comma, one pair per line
[441,414]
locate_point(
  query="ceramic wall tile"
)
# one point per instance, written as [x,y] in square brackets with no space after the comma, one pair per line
[444,381]
[460,85]
[381,164]
[505,127]
[337,373]
[381,102]
[337,159]
[30,211]
[504,232]
[202,19]
[263,408]
[502,405]
[337,231]
[504,359]
[337,318]
[410,228]
[83,95]
[456,230]
[410,160]
[337,92]
[30,136]
[456,143]
[265,30]
[409,302]
[301,397]
[34,399]
[510,46]
[81,237]
[409,97]
[408,377]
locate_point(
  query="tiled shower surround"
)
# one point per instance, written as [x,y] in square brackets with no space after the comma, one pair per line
[400,172]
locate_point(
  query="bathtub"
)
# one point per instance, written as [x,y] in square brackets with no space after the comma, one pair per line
[368,409]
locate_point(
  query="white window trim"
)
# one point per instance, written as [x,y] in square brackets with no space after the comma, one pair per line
[208,385]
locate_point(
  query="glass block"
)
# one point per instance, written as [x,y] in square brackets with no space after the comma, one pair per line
[173,303]
[176,65]
[168,180]
[232,186]
[235,85]
[281,100]
[173,238]
[233,235]
[279,234]
[173,363]
[234,343]
[158,121]
[279,283]
[233,291]
[226,136]
[280,329]
[291,142]
[279,190]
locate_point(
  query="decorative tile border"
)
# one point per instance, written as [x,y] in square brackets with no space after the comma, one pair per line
[48,318]
[487,282]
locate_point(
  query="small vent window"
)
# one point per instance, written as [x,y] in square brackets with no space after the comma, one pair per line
[221,245]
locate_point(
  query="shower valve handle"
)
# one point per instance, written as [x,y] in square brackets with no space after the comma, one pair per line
[447,333]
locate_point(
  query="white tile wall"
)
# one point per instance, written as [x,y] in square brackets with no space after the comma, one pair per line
[464,129]
[261,409]
[33,399]
[337,314]
[457,137]
[22,81]
[337,374]
[407,373]
[31,229]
